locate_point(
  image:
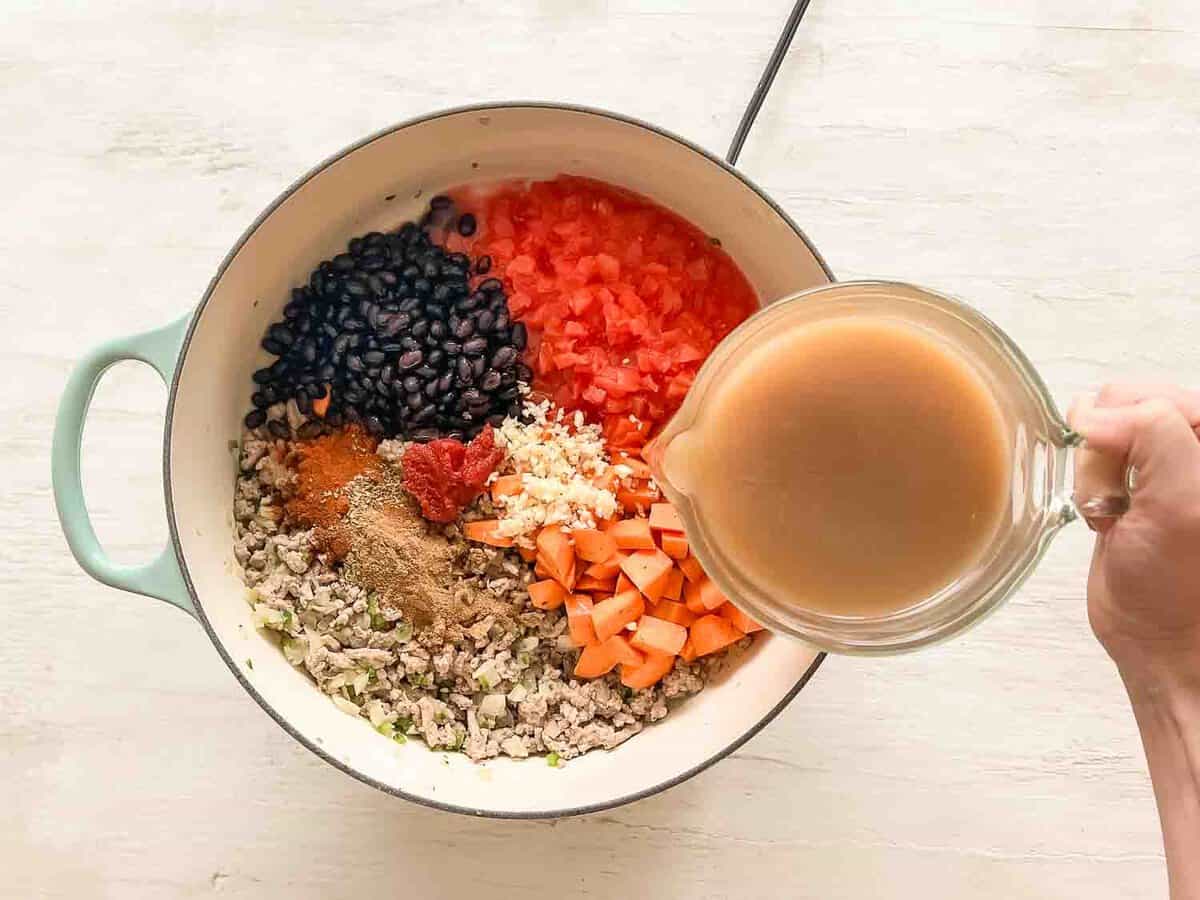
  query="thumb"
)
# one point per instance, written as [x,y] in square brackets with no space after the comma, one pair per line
[1152,436]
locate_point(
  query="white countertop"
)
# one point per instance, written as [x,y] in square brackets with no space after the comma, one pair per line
[1036,158]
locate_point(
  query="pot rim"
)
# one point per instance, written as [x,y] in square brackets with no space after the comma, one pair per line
[564,812]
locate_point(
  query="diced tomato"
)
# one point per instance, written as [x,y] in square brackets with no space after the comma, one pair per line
[622,299]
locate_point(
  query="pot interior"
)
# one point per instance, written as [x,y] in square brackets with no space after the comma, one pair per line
[378,185]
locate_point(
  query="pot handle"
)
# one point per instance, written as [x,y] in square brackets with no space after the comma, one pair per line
[161,578]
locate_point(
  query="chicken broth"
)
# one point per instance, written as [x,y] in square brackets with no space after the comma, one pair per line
[865,466]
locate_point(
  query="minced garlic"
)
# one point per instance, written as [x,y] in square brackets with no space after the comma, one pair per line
[563,467]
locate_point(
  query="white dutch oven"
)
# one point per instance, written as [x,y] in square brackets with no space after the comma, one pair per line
[208,356]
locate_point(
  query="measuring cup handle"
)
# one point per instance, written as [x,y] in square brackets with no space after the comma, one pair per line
[1101,482]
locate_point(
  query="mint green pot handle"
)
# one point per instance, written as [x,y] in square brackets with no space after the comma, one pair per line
[161,578]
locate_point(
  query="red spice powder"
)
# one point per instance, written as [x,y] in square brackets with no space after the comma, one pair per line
[326,465]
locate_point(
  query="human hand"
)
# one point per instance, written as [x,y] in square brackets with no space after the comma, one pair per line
[1144,584]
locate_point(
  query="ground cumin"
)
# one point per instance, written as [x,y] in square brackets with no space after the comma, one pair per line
[409,562]
[325,468]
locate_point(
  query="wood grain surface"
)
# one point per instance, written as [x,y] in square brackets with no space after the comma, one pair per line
[1037,158]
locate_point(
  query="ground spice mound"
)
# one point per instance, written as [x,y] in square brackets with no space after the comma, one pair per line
[412,565]
[324,468]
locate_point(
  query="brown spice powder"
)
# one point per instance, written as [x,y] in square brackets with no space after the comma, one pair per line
[411,564]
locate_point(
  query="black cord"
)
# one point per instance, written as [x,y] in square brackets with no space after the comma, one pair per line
[765,82]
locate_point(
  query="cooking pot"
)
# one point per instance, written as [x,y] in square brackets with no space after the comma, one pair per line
[207,356]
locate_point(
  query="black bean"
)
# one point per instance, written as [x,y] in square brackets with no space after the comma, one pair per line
[408,343]
[496,420]
[422,287]
[435,357]
[440,202]
[504,357]
[303,403]
[485,320]
[425,372]
[415,400]
[259,400]
[491,285]
[425,435]
[353,396]
[334,418]
[431,390]
[420,330]
[444,383]
[410,360]
[354,363]
[466,225]
[452,348]
[483,265]
[524,373]
[508,377]
[509,393]
[441,293]
[462,328]
[438,330]
[475,345]
[465,372]
[254,419]
[279,429]
[372,262]
[387,374]
[411,384]
[478,367]
[354,325]
[519,336]
[262,376]
[501,321]
[490,380]
[472,396]
[309,430]
[374,357]
[326,372]
[273,347]
[425,413]
[374,426]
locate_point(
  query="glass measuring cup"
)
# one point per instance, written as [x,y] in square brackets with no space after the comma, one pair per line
[1053,479]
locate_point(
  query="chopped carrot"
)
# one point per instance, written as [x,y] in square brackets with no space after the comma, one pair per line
[648,570]
[623,651]
[656,588]
[739,619]
[485,532]
[637,469]
[674,588]
[712,633]
[710,595]
[675,545]
[610,568]
[692,569]
[540,570]
[688,653]
[672,611]
[594,661]
[548,594]
[633,534]
[703,596]
[655,635]
[529,554]
[663,517]
[603,585]
[556,554]
[623,583]
[320,406]
[506,486]
[579,619]
[594,546]
[639,499]
[648,673]
[611,615]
